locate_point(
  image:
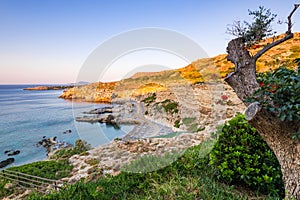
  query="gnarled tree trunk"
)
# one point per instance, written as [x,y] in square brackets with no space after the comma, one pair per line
[276,133]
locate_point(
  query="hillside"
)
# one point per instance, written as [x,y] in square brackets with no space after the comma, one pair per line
[202,70]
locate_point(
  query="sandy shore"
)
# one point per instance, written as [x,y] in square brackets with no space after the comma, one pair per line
[127,112]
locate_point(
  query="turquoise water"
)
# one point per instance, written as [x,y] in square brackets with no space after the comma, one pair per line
[27,116]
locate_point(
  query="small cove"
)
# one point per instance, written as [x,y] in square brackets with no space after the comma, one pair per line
[27,116]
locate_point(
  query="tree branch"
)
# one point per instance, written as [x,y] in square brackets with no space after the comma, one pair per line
[268,47]
[289,31]
[288,35]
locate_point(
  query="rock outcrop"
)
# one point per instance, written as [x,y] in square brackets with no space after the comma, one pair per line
[6,162]
[95,92]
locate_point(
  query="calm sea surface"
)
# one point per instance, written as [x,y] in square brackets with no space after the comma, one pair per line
[27,116]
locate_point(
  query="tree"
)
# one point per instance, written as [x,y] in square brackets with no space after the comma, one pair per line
[277,133]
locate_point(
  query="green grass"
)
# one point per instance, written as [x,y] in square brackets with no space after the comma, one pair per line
[51,169]
[189,177]
[3,191]
[46,169]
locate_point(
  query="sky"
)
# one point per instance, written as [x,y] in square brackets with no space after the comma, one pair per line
[48,41]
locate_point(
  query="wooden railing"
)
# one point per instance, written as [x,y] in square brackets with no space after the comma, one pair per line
[30,181]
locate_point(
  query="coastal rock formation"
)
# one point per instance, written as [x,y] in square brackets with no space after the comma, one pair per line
[13,153]
[100,110]
[52,144]
[193,107]
[95,92]
[6,162]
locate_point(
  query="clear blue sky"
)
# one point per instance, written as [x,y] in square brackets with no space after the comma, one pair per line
[47,41]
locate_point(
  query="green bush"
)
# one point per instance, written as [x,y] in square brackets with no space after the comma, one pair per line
[177,123]
[241,156]
[80,147]
[282,86]
[170,106]
[150,99]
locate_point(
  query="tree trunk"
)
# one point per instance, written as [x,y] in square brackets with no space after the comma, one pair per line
[276,133]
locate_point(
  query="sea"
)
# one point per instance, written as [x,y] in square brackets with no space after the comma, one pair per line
[26,116]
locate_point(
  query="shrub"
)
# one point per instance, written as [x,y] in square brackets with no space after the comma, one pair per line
[282,86]
[170,106]
[150,99]
[80,147]
[177,123]
[241,156]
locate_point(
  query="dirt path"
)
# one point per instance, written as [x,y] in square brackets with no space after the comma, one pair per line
[146,128]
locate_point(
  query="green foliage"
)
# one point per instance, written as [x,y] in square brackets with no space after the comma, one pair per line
[150,163]
[150,99]
[257,30]
[241,156]
[177,123]
[50,169]
[3,191]
[170,106]
[282,86]
[80,147]
[280,94]
[189,177]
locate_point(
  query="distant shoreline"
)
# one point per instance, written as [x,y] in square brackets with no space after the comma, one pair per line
[55,87]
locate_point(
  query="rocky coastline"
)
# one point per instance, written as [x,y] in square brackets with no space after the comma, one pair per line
[53,144]
[165,122]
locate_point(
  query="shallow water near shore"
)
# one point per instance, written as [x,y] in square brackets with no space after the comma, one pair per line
[27,116]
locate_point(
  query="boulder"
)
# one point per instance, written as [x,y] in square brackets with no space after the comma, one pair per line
[14,153]
[6,162]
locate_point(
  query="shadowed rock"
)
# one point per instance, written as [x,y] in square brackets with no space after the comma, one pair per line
[6,162]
